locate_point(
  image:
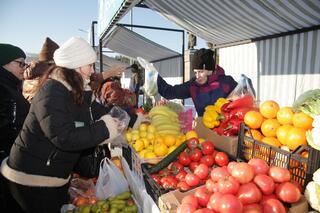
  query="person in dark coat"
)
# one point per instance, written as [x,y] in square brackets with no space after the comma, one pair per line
[13,110]
[209,83]
[57,129]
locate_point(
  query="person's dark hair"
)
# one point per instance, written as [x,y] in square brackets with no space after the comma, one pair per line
[73,78]
[134,68]
[203,59]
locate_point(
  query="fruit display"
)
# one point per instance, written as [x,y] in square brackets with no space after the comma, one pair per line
[244,187]
[122,202]
[224,117]
[189,167]
[278,126]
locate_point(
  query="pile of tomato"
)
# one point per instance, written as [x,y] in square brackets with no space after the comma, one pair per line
[244,187]
[192,167]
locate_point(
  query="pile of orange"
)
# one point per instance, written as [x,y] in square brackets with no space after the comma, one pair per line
[278,126]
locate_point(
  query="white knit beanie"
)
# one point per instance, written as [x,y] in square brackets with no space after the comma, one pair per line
[74,53]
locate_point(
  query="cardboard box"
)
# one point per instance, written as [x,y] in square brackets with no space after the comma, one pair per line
[169,202]
[223,143]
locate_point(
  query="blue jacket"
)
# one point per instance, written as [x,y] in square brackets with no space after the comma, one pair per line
[218,85]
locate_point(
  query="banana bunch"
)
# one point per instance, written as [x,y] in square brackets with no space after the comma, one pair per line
[164,120]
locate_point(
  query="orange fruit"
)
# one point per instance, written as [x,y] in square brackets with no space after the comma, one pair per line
[284,115]
[296,137]
[169,140]
[80,201]
[256,134]
[282,132]
[302,120]
[191,134]
[269,109]
[253,119]
[271,141]
[305,154]
[269,127]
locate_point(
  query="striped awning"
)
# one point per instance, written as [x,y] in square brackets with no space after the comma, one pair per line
[229,21]
[129,43]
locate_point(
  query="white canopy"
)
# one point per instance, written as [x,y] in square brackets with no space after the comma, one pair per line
[223,22]
[129,43]
[109,62]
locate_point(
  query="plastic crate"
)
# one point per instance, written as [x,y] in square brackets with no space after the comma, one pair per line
[127,155]
[301,168]
[153,189]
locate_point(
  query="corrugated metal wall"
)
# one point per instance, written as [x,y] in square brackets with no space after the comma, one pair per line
[281,68]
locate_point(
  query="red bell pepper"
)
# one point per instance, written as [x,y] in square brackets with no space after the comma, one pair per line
[233,127]
[240,112]
[244,101]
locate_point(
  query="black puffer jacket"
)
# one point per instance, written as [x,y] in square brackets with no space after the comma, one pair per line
[55,132]
[13,109]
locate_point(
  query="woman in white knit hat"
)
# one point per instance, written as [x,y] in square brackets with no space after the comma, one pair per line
[57,129]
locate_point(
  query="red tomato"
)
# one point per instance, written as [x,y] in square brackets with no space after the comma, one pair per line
[228,185]
[273,206]
[243,172]
[186,208]
[156,178]
[191,198]
[279,174]
[219,173]
[169,182]
[192,179]
[209,185]
[288,192]
[215,152]
[207,148]
[267,197]
[259,166]
[214,201]
[181,175]
[252,208]
[183,186]
[230,204]
[265,184]
[176,166]
[184,159]
[249,193]
[204,210]
[203,196]
[231,166]
[193,143]
[207,159]
[195,154]
[221,159]
[202,171]
[193,165]
[297,184]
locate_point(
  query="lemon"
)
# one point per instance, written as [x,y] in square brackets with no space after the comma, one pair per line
[143,134]
[143,127]
[191,134]
[143,152]
[150,155]
[135,131]
[135,137]
[150,136]
[139,145]
[161,150]
[146,142]
[169,140]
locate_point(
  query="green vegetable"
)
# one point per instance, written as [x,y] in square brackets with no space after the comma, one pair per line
[308,102]
[313,136]
[167,160]
[123,196]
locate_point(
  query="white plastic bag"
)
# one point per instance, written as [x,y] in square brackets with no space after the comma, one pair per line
[151,75]
[124,119]
[244,87]
[110,181]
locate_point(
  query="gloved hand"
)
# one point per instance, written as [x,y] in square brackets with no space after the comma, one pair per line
[140,119]
[36,69]
[113,125]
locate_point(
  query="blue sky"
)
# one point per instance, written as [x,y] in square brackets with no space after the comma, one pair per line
[26,23]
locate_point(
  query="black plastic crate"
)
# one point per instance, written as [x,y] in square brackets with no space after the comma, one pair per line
[153,189]
[301,168]
[127,154]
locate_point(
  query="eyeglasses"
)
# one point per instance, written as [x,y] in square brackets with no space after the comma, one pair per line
[22,64]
